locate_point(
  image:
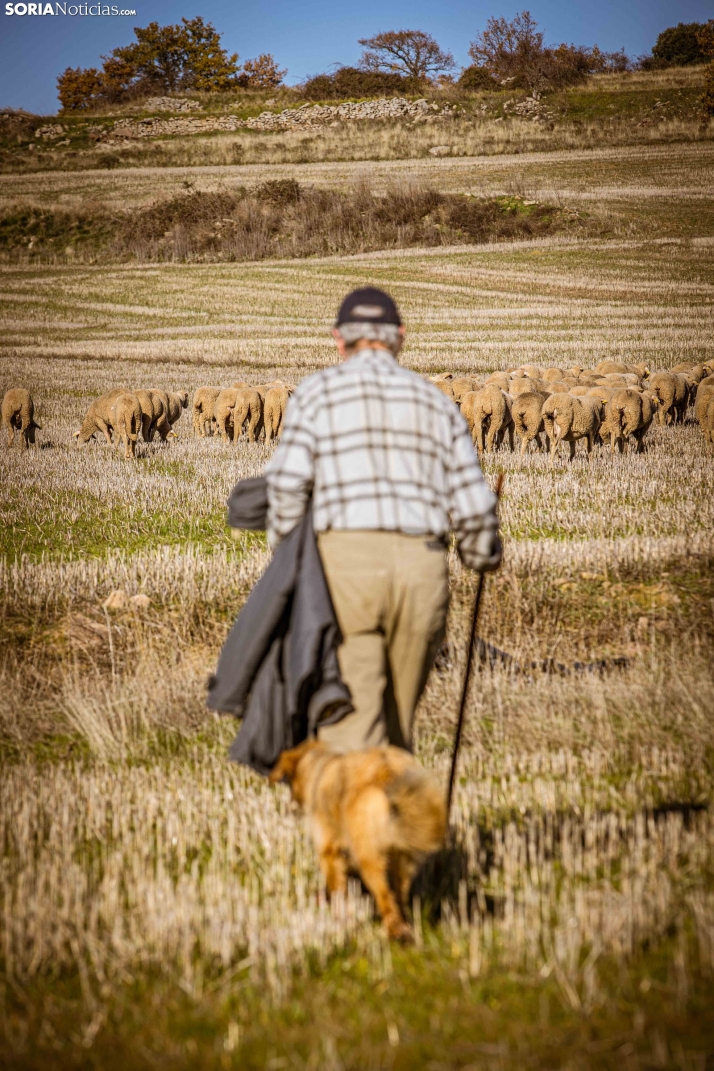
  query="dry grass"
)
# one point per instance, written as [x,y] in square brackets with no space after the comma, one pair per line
[138,865]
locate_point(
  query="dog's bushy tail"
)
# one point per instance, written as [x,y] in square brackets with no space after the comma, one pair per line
[418,809]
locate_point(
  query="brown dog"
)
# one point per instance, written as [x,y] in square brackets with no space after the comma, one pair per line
[377,812]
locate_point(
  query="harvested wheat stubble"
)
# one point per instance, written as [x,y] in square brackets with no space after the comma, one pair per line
[686,168]
[580,803]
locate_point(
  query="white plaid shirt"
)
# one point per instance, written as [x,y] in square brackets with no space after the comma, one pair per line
[379,448]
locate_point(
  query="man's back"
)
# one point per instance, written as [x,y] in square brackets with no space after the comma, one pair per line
[379,448]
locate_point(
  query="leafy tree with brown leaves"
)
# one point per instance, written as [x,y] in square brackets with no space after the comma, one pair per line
[408,52]
[163,59]
[185,56]
[79,88]
[261,73]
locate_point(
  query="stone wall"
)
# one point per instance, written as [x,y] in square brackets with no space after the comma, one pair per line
[309,116]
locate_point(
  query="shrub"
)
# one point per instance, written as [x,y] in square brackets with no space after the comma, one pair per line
[279,191]
[190,210]
[283,219]
[707,98]
[348,82]
[474,78]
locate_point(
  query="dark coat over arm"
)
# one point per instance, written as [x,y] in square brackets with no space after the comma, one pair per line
[278,668]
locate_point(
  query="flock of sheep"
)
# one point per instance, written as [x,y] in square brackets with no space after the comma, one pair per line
[615,402]
[228,411]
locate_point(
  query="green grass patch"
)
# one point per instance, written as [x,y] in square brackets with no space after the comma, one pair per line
[421,1010]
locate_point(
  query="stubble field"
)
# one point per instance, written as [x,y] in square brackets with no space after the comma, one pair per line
[161,907]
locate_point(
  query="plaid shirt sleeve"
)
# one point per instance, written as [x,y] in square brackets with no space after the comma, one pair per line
[290,473]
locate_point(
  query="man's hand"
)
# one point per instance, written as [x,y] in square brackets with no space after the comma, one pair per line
[482,550]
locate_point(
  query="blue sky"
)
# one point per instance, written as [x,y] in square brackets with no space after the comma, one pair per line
[310,36]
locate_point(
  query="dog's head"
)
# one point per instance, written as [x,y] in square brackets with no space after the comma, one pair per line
[292,769]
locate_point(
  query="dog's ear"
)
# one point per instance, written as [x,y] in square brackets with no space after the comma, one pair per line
[285,767]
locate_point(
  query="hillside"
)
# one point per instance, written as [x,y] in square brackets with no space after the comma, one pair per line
[610,109]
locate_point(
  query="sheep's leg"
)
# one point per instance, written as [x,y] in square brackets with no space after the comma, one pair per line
[524,443]
[10,434]
[571,444]
[253,429]
[510,435]
[105,428]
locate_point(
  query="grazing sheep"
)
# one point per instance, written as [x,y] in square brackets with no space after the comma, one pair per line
[501,379]
[567,419]
[552,375]
[150,412]
[178,401]
[705,391]
[263,388]
[521,386]
[664,386]
[490,409]
[603,394]
[580,391]
[530,370]
[240,384]
[606,367]
[274,406]
[126,418]
[462,385]
[249,406]
[161,423]
[706,419]
[18,414]
[625,414]
[527,412]
[223,412]
[99,417]
[685,387]
[203,408]
[444,385]
[621,379]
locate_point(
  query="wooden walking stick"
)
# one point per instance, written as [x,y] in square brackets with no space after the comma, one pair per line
[467,674]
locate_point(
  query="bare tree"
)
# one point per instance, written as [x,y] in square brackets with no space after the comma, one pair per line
[514,52]
[409,52]
[509,49]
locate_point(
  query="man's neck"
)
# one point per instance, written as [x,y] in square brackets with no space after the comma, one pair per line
[366,344]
